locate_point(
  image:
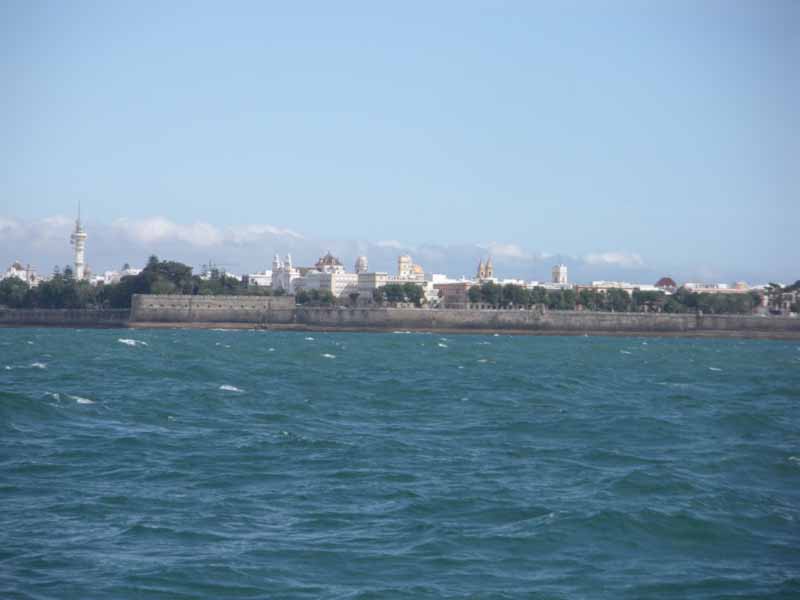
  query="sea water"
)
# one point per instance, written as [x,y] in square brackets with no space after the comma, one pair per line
[253,464]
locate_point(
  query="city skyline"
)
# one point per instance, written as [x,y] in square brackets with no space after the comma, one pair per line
[249,248]
[663,131]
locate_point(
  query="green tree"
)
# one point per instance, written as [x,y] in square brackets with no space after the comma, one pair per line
[515,295]
[14,292]
[618,300]
[394,292]
[413,293]
[491,293]
[474,294]
[537,295]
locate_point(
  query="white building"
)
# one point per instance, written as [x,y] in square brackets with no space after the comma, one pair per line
[560,274]
[604,286]
[361,265]
[740,287]
[284,274]
[263,279]
[110,277]
[408,271]
[367,282]
[26,274]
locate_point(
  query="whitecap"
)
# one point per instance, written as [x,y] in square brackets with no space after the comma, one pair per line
[130,342]
[482,360]
[714,369]
[54,395]
[80,400]
[441,345]
[401,332]
[30,342]
[460,367]
[794,459]
[38,365]
[230,388]
[625,352]
[496,335]
[309,339]
[326,355]
[9,367]
[271,350]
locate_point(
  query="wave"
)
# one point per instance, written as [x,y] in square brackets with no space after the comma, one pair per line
[131,342]
[38,365]
[229,388]
[80,399]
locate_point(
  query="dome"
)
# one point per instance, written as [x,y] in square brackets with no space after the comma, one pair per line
[666,282]
[329,260]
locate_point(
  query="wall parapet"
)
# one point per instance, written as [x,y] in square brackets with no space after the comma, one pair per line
[64,317]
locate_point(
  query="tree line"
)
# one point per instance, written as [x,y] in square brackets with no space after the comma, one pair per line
[62,290]
[615,299]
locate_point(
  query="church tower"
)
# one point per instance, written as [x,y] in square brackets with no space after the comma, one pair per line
[489,270]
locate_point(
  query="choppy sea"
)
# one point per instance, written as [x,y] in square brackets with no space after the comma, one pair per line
[253,464]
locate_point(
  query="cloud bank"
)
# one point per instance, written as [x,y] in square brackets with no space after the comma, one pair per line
[249,248]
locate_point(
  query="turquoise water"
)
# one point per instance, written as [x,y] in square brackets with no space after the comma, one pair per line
[251,464]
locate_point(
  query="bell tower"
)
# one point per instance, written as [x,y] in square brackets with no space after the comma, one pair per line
[78,239]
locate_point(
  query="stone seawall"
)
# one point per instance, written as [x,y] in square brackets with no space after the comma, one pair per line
[281,313]
[553,322]
[45,317]
[258,310]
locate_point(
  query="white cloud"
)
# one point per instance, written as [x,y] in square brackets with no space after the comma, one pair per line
[619,259]
[505,250]
[245,234]
[8,225]
[389,244]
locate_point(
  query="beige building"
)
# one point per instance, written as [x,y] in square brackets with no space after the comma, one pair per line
[560,274]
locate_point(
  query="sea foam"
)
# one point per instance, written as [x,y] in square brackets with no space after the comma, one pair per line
[230,388]
[81,400]
[130,342]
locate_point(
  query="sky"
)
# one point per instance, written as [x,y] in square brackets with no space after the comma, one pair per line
[629,139]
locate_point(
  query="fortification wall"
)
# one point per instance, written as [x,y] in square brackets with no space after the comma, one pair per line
[535,321]
[46,317]
[212,309]
[281,311]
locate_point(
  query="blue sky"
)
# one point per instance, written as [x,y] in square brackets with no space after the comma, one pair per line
[667,131]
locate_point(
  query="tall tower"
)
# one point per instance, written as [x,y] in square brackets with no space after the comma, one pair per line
[403,266]
[489,269]
[560,274]
[361,264]
[78,239]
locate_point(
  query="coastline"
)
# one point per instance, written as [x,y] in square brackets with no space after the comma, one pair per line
[742,334]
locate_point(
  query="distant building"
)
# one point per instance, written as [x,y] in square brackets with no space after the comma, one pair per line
[453,295]
[605,286]
[560,274]
[667,284]
[367,282]
[361,265]
[262,279]
[740,287]
[329,275]
[26,274]
[284,274]
[78,239]
[408,271]
[485,270]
